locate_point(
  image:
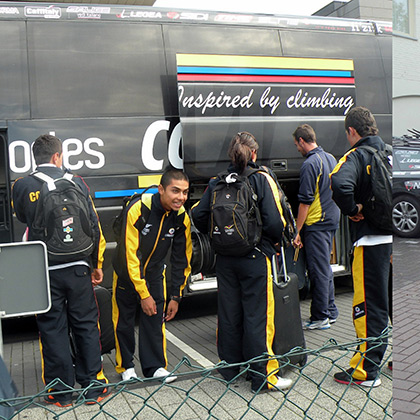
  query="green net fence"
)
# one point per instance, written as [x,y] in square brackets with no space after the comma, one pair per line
[201,393]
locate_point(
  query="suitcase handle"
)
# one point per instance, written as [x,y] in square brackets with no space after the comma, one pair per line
[274,264]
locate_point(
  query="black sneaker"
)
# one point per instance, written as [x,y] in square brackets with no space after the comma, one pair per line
[347,378]
[93,397]
[58,400]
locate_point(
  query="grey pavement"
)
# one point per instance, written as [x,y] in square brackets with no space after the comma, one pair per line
[406,295]
[200,393]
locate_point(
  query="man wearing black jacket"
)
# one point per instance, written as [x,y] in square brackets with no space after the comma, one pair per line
[351,186]
[71,283]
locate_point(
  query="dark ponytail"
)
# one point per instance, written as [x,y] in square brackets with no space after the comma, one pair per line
[241,148]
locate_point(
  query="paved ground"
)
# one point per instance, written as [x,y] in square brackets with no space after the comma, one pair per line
[406,397]
[199,392]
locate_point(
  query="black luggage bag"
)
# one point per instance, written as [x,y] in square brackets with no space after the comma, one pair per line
[295,261]
[104,299]
[287,318]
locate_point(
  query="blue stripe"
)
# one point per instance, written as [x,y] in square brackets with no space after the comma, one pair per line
[263,72]
[122,193]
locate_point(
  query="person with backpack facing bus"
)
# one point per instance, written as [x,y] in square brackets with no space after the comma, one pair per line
[149,225]
[317,220]
[354,181]
[243,267]
[57,209]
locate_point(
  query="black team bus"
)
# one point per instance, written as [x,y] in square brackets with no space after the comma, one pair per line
[130,90]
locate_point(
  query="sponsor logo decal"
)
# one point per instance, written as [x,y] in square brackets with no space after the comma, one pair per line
[67,222]
[359,310]
[68,238]
[49,12]
[139,14]
[229,230]
[146,229]
[9,11]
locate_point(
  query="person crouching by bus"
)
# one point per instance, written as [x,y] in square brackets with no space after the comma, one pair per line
[72,295]
[150,226]
[245,286]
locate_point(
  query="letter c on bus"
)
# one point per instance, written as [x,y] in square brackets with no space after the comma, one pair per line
[147,157]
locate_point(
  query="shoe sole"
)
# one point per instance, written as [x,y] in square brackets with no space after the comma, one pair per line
[317,328]
[170,379]
[58,404]
[367,384]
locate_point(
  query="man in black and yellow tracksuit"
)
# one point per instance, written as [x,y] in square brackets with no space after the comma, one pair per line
[71,283]
[351,186]
[150,226]
[316,223]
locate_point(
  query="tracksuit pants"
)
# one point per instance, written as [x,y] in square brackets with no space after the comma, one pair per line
[318,246]
[246,315]
[152,341]
[73,305]
[370,271]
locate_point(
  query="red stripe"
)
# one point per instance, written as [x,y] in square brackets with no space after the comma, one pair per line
[264,79]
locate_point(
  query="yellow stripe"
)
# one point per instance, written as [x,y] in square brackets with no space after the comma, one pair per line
[341,162]
[209,60]
[164,323]
[315,209]
[360,323]
[272,364]
[145,181]
[115,316]
[276,196]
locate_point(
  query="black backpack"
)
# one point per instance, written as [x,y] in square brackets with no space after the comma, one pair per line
[62,220]
[378,208]
[235,219]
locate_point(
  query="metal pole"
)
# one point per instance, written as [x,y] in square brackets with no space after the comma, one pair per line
[1,334]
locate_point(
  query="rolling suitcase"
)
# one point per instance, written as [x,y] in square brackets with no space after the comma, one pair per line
[287,318]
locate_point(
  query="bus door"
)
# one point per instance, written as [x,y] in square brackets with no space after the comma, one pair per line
[6,233]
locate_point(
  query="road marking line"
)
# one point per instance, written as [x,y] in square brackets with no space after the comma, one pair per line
[189,351]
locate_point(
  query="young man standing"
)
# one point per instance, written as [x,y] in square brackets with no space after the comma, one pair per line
[71,283]
[317,221]
[351,185]
[149,227]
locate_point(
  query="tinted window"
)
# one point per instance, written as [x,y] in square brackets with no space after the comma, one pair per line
[14,91]
[406,159]
[89,69]
[370,73]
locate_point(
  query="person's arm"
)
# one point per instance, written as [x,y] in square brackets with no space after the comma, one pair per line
[300,221]
[181,263]
[200,211]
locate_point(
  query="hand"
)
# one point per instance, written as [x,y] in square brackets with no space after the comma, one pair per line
[97,276]
[297,243]
[358,216]
[149,306]
[171,310]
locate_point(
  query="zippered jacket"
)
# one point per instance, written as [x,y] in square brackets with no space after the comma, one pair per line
[351,184]
[145,245]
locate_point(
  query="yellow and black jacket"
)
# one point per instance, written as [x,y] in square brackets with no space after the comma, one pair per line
[148,231]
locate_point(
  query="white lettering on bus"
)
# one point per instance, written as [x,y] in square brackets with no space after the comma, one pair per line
[302,100]
[174,147]
[149,139]
[26,150]
[101,158]
[68,152]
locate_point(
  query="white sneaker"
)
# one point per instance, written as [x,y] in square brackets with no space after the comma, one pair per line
[128,374]
[163,373]
[282,383]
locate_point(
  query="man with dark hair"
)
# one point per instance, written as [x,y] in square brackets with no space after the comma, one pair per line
[71,283]
[316,223]
[351,186]
[150,226]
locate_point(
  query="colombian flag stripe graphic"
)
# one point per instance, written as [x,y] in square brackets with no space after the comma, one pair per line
[255,69]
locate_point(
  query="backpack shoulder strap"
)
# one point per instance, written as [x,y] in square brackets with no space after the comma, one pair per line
[45,178]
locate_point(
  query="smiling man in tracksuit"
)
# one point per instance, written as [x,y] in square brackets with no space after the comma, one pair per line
[351,185]
[150,226]
[317,221]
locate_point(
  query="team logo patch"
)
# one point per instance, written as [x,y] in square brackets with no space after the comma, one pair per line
[67,229]
[359,310]
[68,238]
[227,196]
[67,222]
[170,233]
[229,230]
[146,229]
